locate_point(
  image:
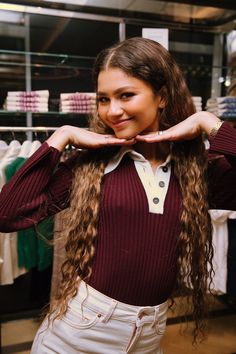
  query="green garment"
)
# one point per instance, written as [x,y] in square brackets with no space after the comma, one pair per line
[33,250]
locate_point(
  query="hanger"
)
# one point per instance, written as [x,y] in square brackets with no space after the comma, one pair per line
[13,147]
[12,151]
[25,149]
[14,144]
[34,146]
[3,148]
[3,145]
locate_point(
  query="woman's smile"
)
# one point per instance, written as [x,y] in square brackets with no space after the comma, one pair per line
[120,123]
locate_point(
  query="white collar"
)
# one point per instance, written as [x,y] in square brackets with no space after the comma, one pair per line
[134,155]
[155,184]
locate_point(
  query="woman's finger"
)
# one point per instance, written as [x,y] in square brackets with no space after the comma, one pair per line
[112,140]
[153,137]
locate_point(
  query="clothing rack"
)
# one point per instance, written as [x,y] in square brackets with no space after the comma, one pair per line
[27,129]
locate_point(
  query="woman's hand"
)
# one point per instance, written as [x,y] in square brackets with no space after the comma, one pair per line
[188,129]
[83,139]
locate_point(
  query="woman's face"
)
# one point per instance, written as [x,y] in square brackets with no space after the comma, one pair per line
[126,104]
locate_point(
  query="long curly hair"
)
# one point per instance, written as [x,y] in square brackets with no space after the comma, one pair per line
[148,61]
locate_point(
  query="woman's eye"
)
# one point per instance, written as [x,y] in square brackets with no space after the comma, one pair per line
[126,95]
[102,99]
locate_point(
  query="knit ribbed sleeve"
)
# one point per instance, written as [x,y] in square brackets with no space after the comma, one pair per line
[222,169]
[37,190]
[225,140]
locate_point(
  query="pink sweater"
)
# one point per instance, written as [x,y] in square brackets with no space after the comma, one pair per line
[136,251]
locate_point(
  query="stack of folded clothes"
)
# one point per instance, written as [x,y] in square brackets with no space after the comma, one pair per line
[224,107]
[78,102]
[33,101]
[197,100]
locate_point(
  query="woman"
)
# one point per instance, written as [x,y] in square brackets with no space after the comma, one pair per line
[136,203]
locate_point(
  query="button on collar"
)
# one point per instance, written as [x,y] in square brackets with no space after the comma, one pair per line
[165,169]
[155,200]
[162,184]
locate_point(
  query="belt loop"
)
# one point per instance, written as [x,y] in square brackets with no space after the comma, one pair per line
[82,302]
[110,311]
[155,316]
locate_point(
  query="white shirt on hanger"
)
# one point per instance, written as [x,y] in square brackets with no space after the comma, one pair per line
[220,243]
[9,269]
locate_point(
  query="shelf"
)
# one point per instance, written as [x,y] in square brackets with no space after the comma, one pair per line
[28,129]
[4,112]
[228,118]
[51,118]
[43,60]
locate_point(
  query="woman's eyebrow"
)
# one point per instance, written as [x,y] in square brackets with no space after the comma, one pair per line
[120,89]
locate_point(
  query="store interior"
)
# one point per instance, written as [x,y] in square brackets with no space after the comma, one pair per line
[50,46]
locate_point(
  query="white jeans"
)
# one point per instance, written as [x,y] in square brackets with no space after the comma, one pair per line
[95,323]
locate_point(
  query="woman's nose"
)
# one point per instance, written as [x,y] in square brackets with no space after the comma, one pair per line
[115,108]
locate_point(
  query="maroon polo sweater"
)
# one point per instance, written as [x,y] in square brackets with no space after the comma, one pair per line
[135,259]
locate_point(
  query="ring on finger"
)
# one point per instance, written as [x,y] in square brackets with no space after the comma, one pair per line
[160,132]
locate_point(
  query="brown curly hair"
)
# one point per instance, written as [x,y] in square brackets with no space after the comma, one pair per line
[148,61]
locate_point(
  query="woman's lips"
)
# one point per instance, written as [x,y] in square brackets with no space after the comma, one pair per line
[120,123]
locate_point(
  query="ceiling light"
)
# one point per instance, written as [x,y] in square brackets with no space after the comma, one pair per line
[71,2]
[227,81]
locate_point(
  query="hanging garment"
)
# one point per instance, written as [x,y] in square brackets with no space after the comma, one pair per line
[3,149]
[231,283]
[32,249]
[220,243]
[34,146]
[11,154]
[9,269]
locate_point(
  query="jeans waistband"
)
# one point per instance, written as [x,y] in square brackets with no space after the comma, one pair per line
[108,307]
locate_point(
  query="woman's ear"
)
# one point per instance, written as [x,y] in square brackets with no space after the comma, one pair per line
[162,103]
[162,97]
